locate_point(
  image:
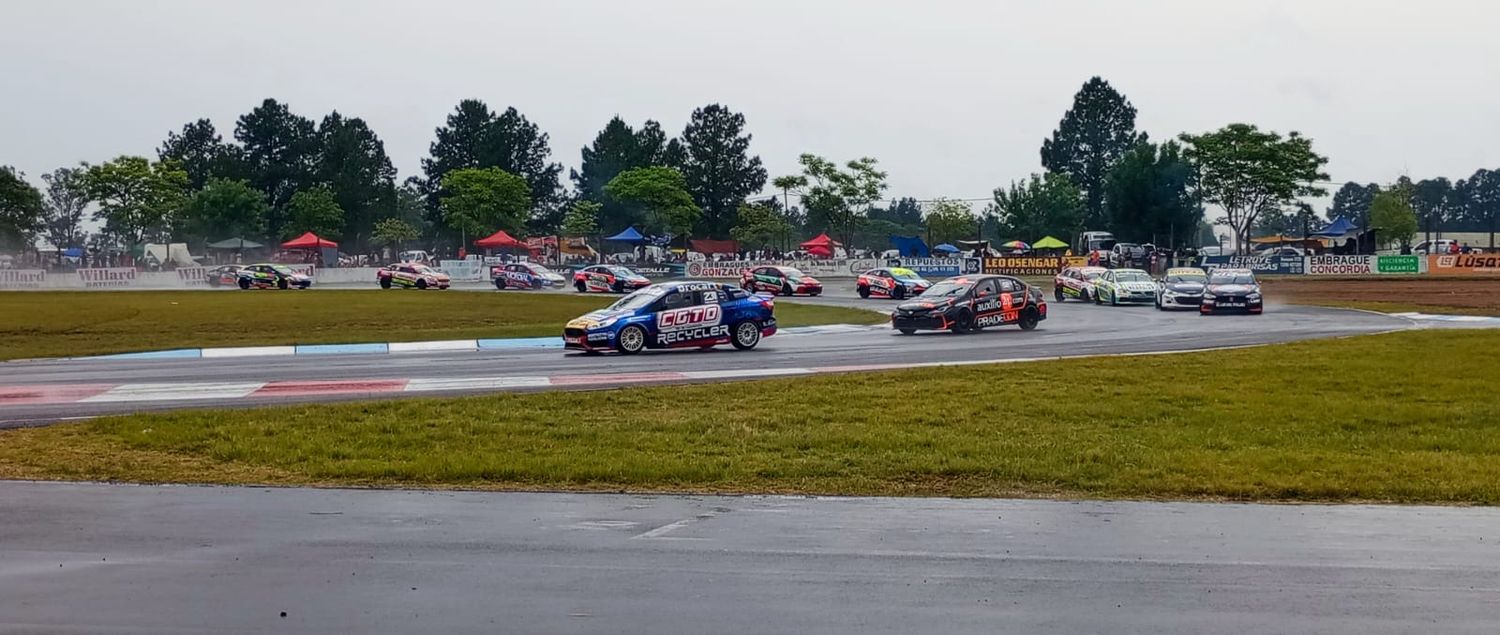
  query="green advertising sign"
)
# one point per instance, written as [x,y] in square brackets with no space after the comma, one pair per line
[1396,264]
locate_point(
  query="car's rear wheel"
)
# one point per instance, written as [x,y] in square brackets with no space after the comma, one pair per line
[864,292]
[385,283]
[1029,320]
[281,283]
[631,340]
[746,335]
[244,283]
[1098,298]
[499,285]
[421,284]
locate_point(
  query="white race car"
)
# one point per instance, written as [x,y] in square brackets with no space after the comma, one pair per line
[1122,286]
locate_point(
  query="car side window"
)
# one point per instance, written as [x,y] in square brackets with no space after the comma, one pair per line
[676,300]
[1007,285]
[710,297]
[985,288]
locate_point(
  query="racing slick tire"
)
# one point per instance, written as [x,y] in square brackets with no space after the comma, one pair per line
[898,293]
[1057,294]
[1029,320]
[786,290]
[631,340]
[864,293]
[421,284]
[907,331]
[746,335]
[581,287]
[282,284]
[1097,299]
[619,287]
[385,283]
[1083,295]
[499,284]
[244,284]
[964,323]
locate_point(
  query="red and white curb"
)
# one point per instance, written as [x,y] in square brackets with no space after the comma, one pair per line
[52,394]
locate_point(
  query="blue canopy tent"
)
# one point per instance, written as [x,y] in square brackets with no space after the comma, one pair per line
[630,235]
[73,252]
[911,246]
[1339,228]
[947,248]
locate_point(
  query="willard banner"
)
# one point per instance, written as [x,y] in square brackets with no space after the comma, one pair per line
[1464,265]
[1032,265]
[107,277]
[22,278]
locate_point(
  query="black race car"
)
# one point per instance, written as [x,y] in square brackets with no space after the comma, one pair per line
[969,303]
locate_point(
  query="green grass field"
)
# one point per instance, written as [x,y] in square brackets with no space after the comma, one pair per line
[64,324]
[1403,417]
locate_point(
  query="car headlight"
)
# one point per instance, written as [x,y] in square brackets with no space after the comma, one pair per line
[1252,297]
[607,322]
[1208,295]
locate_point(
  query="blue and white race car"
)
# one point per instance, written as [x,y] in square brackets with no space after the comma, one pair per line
[675,315]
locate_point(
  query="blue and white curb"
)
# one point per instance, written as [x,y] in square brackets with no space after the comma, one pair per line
[440,346]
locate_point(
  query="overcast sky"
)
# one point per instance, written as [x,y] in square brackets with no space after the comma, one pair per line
[953,98]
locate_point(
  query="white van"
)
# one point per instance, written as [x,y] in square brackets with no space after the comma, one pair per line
[1439,246]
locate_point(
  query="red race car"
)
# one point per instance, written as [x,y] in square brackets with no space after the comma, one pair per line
[780,281]
[608,279]
[224,276]
[893,282]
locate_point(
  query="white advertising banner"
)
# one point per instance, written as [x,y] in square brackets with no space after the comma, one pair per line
[107,278]
[1331,265]
[834,268]
[22,278]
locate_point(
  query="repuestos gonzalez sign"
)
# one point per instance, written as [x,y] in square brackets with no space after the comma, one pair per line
[1032,265]
[1464,265]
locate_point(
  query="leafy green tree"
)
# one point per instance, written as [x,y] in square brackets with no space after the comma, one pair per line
[1392,217]
[903,211]
[836,199]
[1273,222]
[138,200]
[281,155]
[1352,201]
[762,226]
[475,137]
[64,207]
[1149,195]
[202,153]
[1246,172]
[1482,201]
[21,209]
[315,210]
[582,219]
[618,148]
[1304,220]
[875,233]
[225,209]
[478,201]
[719,170]
[663,192]
[1095,133]
[949,220]
[1043,205]
[353,163]
[394,232]
[1435,202]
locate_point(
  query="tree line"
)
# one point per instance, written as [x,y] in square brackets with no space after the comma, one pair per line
[281,174]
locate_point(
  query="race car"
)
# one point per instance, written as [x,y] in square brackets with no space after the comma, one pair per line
[780,280]
[1123,286]
[1182,287]
[895,282]
[1231,290]
[608,279]
[224,275]
[524,275]
[969,303]
[675,315]
[268,276]
[411,274]
[1076,282]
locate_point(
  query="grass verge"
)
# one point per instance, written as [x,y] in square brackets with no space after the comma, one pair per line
[64,324]
[1398,417]
[1391,294]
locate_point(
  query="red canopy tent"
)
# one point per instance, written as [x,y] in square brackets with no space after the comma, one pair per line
[500,240]
[308,241]
[822,246]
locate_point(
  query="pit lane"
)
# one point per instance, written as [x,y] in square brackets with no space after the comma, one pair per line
[1072,329]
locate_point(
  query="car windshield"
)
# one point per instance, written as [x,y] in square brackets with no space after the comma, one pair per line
[1132,276]
[792,272]
[422,269]
[540,270]
[622,272]
[947,289]
[1188,278]
[638,300]
[905,274]
[283,270]
[1231,278]
[1092,275]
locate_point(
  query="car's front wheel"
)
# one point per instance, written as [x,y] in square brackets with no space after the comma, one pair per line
[581,287]
[964,323]
[864,292]
[630,340]
[898,293]
[1057,294]
[421,284]
[244,283]
[746,335]
[281,283]
[786,290]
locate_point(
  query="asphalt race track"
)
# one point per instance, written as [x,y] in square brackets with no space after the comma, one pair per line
[1073,329]
[89,558]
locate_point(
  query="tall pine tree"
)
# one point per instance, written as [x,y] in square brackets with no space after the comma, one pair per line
[281,153]
[354,165]
[1095,133]
[719,169]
